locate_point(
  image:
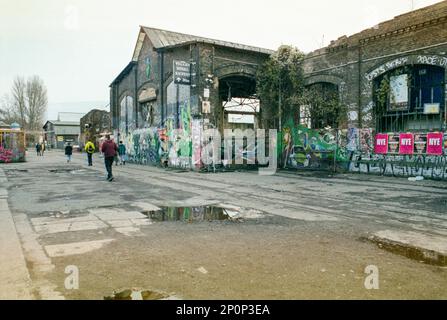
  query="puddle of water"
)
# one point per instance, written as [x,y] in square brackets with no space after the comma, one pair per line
[136,295]
[192,214]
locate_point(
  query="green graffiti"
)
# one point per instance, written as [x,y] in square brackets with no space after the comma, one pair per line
[303,147]
[148,67]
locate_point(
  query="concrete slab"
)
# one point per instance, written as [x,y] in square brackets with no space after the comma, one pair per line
[146,207]
[54,220]
[3,193]
[120,215]
[52,228]
[87,225]
[15,282]
[418,246]
[62,250]
[141,222]
[130,231]
[121,223]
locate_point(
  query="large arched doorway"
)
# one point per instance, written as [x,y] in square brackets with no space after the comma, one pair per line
[410,98]
[240,106]
[127,121]
[321,107]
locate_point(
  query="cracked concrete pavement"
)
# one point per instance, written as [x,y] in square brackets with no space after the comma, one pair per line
[308,241]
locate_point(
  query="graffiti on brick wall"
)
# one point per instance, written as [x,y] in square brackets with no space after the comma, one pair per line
[354,150]
[419,163]
[434,167]
[302,147]
[166,146]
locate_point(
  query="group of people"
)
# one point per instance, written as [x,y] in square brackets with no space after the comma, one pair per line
[111,151]
[40,149]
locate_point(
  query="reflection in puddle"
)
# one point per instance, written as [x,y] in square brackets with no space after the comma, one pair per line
[192,214]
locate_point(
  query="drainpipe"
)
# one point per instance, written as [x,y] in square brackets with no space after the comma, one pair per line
[360,85]
[161,58]
[136,96]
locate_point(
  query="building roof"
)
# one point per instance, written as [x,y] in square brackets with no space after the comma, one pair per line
[163,39]
[63,123]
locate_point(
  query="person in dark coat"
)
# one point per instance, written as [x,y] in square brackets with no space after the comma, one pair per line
[110,150]
[68,152]
[122,153]
[38,148]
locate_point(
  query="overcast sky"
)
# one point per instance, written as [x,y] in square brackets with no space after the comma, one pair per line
[79,46]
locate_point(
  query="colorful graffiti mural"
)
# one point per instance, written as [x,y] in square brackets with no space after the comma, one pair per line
[12,146]
[166,146]
[360,150]
[302,147]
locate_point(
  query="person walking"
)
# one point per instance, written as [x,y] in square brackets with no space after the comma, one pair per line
[122,153]
[38,149]
[68,152]
[110,150]
[90,149]
[42,149]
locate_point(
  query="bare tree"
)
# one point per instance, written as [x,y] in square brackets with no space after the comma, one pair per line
[19,101]
[36,98]
[8,112]
[27,104]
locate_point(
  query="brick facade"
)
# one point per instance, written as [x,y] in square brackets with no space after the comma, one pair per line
[352,63]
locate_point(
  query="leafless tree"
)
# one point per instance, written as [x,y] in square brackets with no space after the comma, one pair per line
[19,101]
[27,104]
[8,112]
[36,98]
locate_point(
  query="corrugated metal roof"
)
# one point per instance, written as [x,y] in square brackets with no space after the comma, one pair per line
[165,39]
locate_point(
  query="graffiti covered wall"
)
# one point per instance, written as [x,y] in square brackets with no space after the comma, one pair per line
[393,158]
[314,149]
[354,150]
[169,145]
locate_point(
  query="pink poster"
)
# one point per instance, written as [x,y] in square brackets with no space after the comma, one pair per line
[406,143]
[434,143]
[381,144]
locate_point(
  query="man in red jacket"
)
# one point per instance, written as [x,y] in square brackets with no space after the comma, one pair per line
[109,149]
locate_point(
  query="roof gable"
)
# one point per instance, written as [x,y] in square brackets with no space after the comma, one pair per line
[162,39]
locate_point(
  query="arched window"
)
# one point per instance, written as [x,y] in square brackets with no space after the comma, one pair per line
[127,121]
[410,98]
[321,106]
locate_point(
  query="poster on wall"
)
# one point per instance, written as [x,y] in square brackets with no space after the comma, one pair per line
[353,139]
[393,143]
[366,141]
[398,93]
[406,144]
[434,143]
[381,144]
[420,143]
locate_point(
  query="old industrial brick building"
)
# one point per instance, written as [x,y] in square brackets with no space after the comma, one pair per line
[185,82]
[389,79]
[409,52]
[95,125]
